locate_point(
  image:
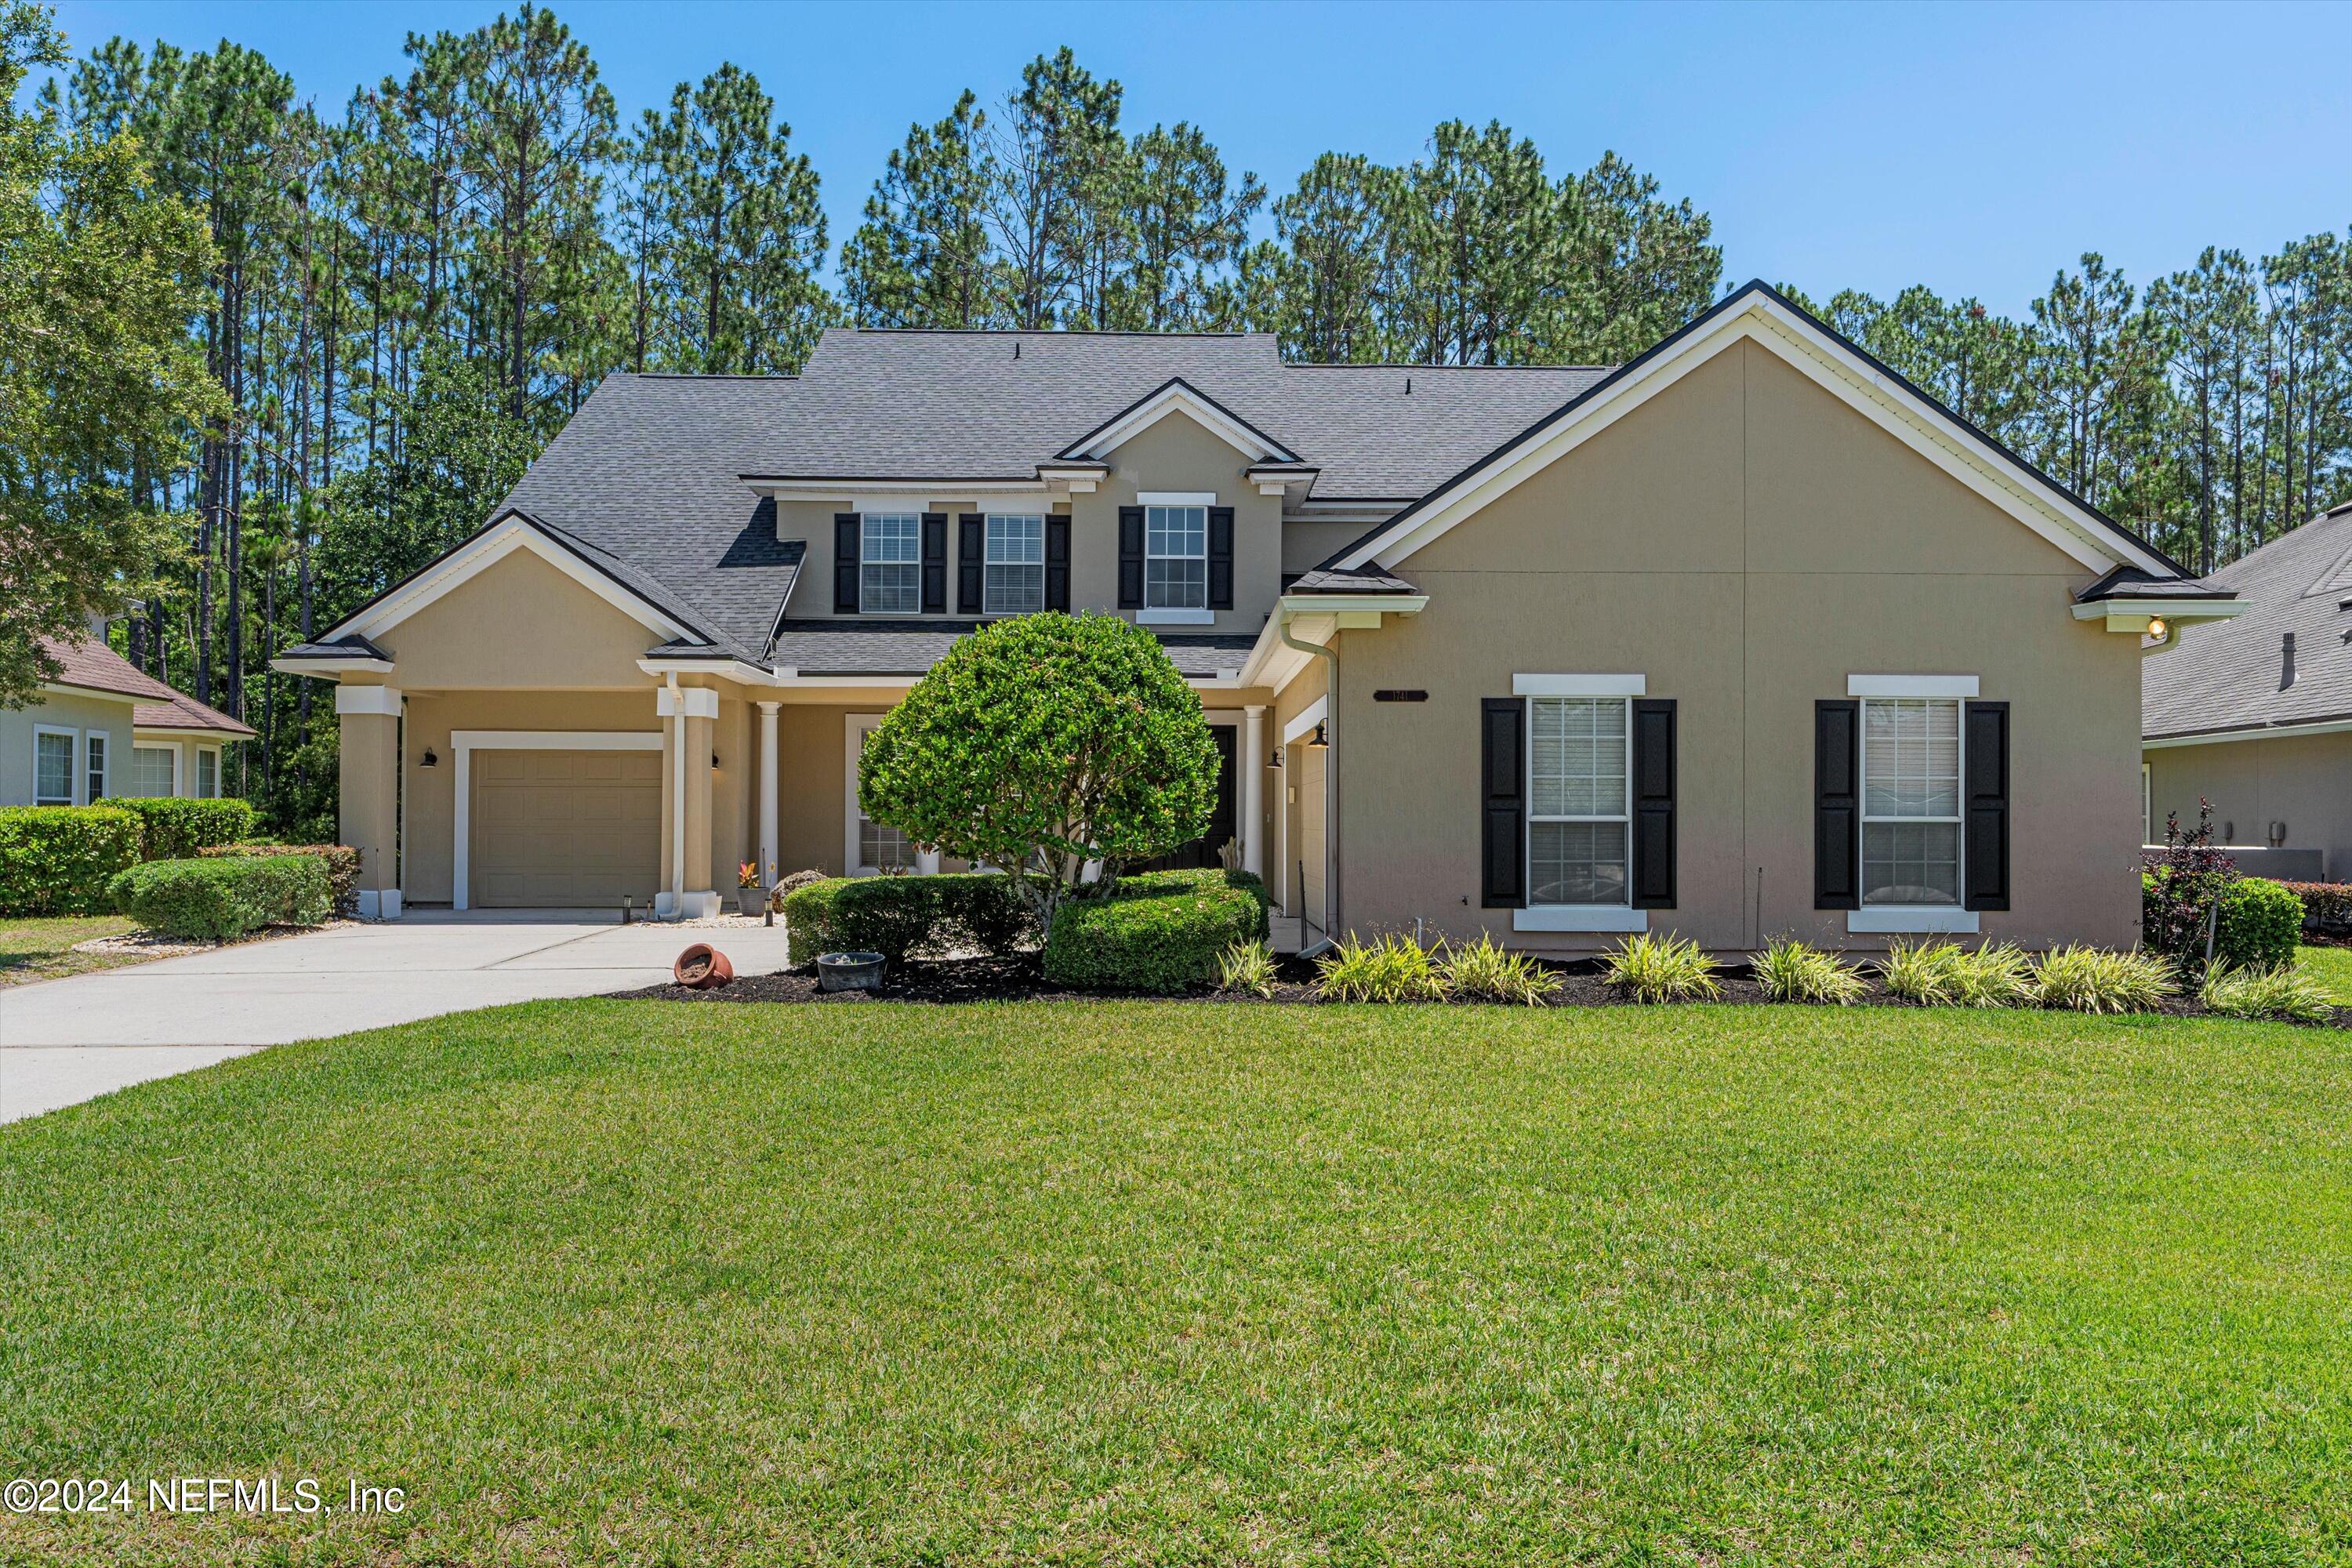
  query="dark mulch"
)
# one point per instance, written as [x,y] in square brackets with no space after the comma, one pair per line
[1022,979]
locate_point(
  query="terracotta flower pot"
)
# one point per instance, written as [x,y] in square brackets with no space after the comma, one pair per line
[702,967]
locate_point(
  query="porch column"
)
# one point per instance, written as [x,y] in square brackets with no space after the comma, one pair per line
[687,736]
[1253,791]
[770,785]
[368,778]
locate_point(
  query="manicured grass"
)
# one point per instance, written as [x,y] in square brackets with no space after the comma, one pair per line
[2333,966]
[41,948]
[626,1282]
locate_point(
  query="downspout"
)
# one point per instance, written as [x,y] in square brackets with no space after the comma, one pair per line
[677,801]
[1331,775]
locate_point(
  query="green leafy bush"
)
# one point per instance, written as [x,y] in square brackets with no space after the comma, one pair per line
[1390,969]
[224,898]
[2327,906]
[1164,930]
[2260,923]
[2091,980]
[342,863]
[1656,969]
[897,915]
[1246,967]
[58,859]
[173,827]
[1483,968]
[1792,971]
[2287,995]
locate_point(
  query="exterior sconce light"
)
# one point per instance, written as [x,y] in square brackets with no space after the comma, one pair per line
[1320,739]
[714,762]
[428,760]
[2157,629]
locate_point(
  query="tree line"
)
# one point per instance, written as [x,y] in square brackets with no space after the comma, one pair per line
[381,313]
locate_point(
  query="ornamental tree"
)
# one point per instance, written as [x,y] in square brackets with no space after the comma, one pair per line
[1041,743]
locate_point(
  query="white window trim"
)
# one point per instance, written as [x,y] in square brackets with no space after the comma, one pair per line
[854,725]
[987,539]
[213,753]
[866,558]
[464,743]
[1533,916]
[1947,686]
[1175,498]
[1955,918]
[73,765]
[104,740]
[1156,615]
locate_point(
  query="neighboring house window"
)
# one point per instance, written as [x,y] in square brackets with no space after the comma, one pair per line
[873,848]
[152,771]
[1579,758]
[208,773]
[1015,579]
[1910,801]
[1176,557]
[53,767]
[94,767]
[890,570]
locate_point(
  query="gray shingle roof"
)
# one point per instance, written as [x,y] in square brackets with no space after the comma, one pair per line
[866,645]
[2225,675]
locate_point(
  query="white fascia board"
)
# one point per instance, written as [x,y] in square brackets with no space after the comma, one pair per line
[94,693]
[1941,440]
[876,683]
[1910,685]
[485,550]
[1294,605]
[2258,732]
[733,669]
[326,668]
[1179,399]
[2170,609]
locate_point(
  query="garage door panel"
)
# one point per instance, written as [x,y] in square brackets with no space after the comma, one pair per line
[552,829]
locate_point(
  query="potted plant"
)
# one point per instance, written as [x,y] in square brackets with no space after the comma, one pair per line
[750,898]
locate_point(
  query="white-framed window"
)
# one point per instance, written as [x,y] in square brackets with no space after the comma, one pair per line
[94,760]
[154,771]
[1911,802]
[890,564]
[53,764]
[1580,789]
[870,847]
[1013,581]
[208,773]
[1176,556]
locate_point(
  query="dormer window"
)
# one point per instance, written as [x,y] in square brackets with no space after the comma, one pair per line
[892,565]
[1176,557]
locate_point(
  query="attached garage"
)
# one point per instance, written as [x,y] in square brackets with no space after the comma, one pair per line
[564,829]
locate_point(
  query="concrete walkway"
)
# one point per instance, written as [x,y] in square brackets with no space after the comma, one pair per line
[65,1041]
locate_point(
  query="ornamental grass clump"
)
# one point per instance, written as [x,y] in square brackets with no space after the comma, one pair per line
[2285,994]
[1392,969]
[2090,980]
[1792,971]
[1246,967]
[1484,969]
[1991,977]
[1654,969]
[1920,972]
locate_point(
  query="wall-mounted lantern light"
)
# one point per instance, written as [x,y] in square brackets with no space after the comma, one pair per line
[428,760]
[1320,739]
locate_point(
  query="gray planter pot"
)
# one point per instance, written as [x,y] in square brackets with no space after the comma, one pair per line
[849,971]
[750,900]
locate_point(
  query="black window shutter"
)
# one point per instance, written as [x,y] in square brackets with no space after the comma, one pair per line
[1221,558]
[1503,817]
[971,550]
[1131,558]
[845,562]
[935,563]
[1654,803]
[1985,854]
[1057,560]
[1837,804]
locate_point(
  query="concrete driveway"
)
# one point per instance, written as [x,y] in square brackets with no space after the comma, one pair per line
[64,1041]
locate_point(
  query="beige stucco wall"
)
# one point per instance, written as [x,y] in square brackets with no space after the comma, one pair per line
[1745,542]
[64,711]
[519,624]
[2304,781]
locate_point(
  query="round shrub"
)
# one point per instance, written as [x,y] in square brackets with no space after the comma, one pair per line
[58,859]
[342,863]
[1159,932]
[2260,923]
[897,915]
[221,899]
[173,827]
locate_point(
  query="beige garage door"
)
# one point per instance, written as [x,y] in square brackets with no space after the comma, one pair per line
[565,829]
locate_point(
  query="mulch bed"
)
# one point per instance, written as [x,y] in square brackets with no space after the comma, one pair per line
[1021,979]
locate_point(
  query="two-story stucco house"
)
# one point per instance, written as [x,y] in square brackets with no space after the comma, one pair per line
[1746,636]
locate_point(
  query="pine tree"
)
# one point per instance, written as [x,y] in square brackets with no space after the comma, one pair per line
[921,259]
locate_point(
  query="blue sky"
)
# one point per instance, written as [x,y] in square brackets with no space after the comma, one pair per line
[1973,148]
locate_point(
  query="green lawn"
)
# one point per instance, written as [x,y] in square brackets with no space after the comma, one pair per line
[630,1283]
[2333,967]
[41,948]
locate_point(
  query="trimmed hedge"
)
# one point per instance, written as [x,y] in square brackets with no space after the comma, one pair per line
[896,915]
[58,859]
[173,827]
[226,897]
[2260,923]
[2327,906]
[1161,930]
[342,863]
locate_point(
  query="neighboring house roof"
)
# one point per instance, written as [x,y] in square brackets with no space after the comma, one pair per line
[87,663]
[2230,677]
[866,646]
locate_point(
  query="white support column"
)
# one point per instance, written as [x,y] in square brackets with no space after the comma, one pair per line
[769,786]
[1253,791]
